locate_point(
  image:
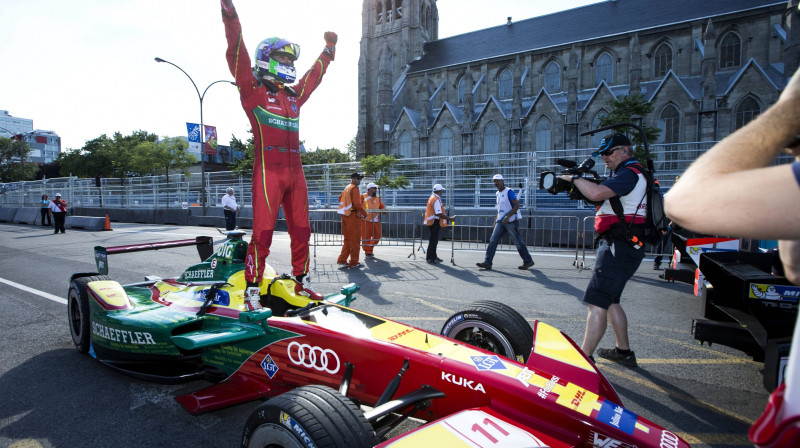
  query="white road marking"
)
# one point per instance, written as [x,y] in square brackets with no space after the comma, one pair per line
[34,291]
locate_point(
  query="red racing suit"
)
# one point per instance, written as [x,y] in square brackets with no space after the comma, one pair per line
[278,179]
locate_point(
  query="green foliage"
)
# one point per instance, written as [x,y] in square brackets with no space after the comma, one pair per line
[244,167]
[156,158]
[11,170]
[108,157]
[322,156]
[352,149]
[379,167]
[624,109]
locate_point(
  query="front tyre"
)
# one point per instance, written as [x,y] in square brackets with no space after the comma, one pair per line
[308,416]
[78,312]
[492,326]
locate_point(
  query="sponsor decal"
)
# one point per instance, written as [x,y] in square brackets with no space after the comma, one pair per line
[463,382]
[668,440]
[576,401]
[548,387]
[601,441]
[199,274]
[397,336]
[774,292]
[617,416]
[488,362]
[269,366]
[453,321]
[214,263]
[524,376]
[221,298]
[122,336]
[289,422]
[225,251]
[317,358]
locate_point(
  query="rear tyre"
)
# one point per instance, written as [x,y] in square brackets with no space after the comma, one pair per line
[78,312]
[492,326]
[308,415]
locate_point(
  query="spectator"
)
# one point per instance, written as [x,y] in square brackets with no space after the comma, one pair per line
[507,221]
[45,211]
[618,257]
[273,107]
[59,208]
[230,208]
[371,233]
[734,190]
[351,207]
[433,210]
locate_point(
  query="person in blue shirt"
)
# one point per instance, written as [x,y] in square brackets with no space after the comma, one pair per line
[507,221]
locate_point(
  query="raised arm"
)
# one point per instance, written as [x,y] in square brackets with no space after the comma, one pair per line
[313,77]
[238,59]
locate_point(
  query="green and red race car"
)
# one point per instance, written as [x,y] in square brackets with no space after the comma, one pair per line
[337,377]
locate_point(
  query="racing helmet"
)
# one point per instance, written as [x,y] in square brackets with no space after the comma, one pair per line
[269,68]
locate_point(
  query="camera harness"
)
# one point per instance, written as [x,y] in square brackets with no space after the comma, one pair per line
[616,205]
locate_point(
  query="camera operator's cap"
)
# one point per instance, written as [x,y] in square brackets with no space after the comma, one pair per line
[611,141]
[438,187]
[371,185]
[356,175]
[58,195]
[497,177]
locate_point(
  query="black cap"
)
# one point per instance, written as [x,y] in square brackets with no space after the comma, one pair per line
[354,175]
[611,141]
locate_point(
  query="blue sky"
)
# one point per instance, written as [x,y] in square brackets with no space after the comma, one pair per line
[86,68]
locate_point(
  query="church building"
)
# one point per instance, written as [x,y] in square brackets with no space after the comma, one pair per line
[708,66]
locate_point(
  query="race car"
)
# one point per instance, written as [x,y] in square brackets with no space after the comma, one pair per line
[338,377]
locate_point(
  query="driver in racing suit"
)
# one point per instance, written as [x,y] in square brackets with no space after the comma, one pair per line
[273,108]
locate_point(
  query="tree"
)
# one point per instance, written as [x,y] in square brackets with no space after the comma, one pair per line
[11,169]
[631,108]
[321,156]
[244,167]
[380,166]
[154,158]
[49,170]
[352,149]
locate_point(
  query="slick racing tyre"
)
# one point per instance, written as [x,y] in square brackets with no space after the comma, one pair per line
[78,311]
[308,416]
[492,326]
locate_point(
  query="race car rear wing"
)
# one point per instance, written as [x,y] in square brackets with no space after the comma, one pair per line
[205,248]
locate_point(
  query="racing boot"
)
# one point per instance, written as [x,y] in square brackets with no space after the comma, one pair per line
[303,288]
[252,298]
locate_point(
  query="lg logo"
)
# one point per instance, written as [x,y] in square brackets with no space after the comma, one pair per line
[324,360]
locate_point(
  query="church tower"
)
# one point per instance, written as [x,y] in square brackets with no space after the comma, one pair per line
[393,33]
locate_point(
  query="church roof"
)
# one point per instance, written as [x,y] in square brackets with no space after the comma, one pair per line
[605,19]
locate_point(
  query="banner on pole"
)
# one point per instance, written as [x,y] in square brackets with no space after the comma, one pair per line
[211,140]
[193,132]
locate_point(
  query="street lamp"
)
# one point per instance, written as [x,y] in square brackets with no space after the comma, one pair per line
[202,130]
[21,150]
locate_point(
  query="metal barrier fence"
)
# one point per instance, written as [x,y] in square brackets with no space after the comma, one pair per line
[398,227]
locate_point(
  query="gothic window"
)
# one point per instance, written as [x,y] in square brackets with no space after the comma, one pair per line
[669,122]
[388,11]
[461,90]
[730,51]
[446,142]
[404,144]
[552,77]
[504,84]
[596,138]
[604,69]
[746,111]
[379,10]
[544,135]
[491,139]
[663,60]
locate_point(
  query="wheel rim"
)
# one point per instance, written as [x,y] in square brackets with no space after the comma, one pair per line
[272,435]
[482,335]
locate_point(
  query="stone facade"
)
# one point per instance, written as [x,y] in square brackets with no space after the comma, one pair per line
[537,84]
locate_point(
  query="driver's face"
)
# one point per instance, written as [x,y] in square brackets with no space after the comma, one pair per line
[283,59]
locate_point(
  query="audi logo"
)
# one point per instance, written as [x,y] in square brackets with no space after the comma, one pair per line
[315,358]
[668,440]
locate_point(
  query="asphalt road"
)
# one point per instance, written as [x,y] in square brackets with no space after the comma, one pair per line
[53,396]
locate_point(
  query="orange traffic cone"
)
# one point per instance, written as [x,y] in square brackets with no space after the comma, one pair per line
[107,226]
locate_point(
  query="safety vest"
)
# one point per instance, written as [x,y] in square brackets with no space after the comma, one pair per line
[430,214]
[504,206]
[634,204]
[372,203]
[346,201]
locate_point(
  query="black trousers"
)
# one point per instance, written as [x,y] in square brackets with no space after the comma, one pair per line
[230,220]
[46,215]
[59,219]
[433,240]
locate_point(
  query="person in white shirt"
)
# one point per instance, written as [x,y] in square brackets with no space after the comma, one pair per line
[230,208]
[508,217]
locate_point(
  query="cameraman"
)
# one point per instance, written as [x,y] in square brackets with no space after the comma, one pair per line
[618,256]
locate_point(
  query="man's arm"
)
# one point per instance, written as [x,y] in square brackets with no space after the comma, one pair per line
[313,77]
[238,59]
[733,190]
[592,191]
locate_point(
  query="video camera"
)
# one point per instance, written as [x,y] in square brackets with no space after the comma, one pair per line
[550,181]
